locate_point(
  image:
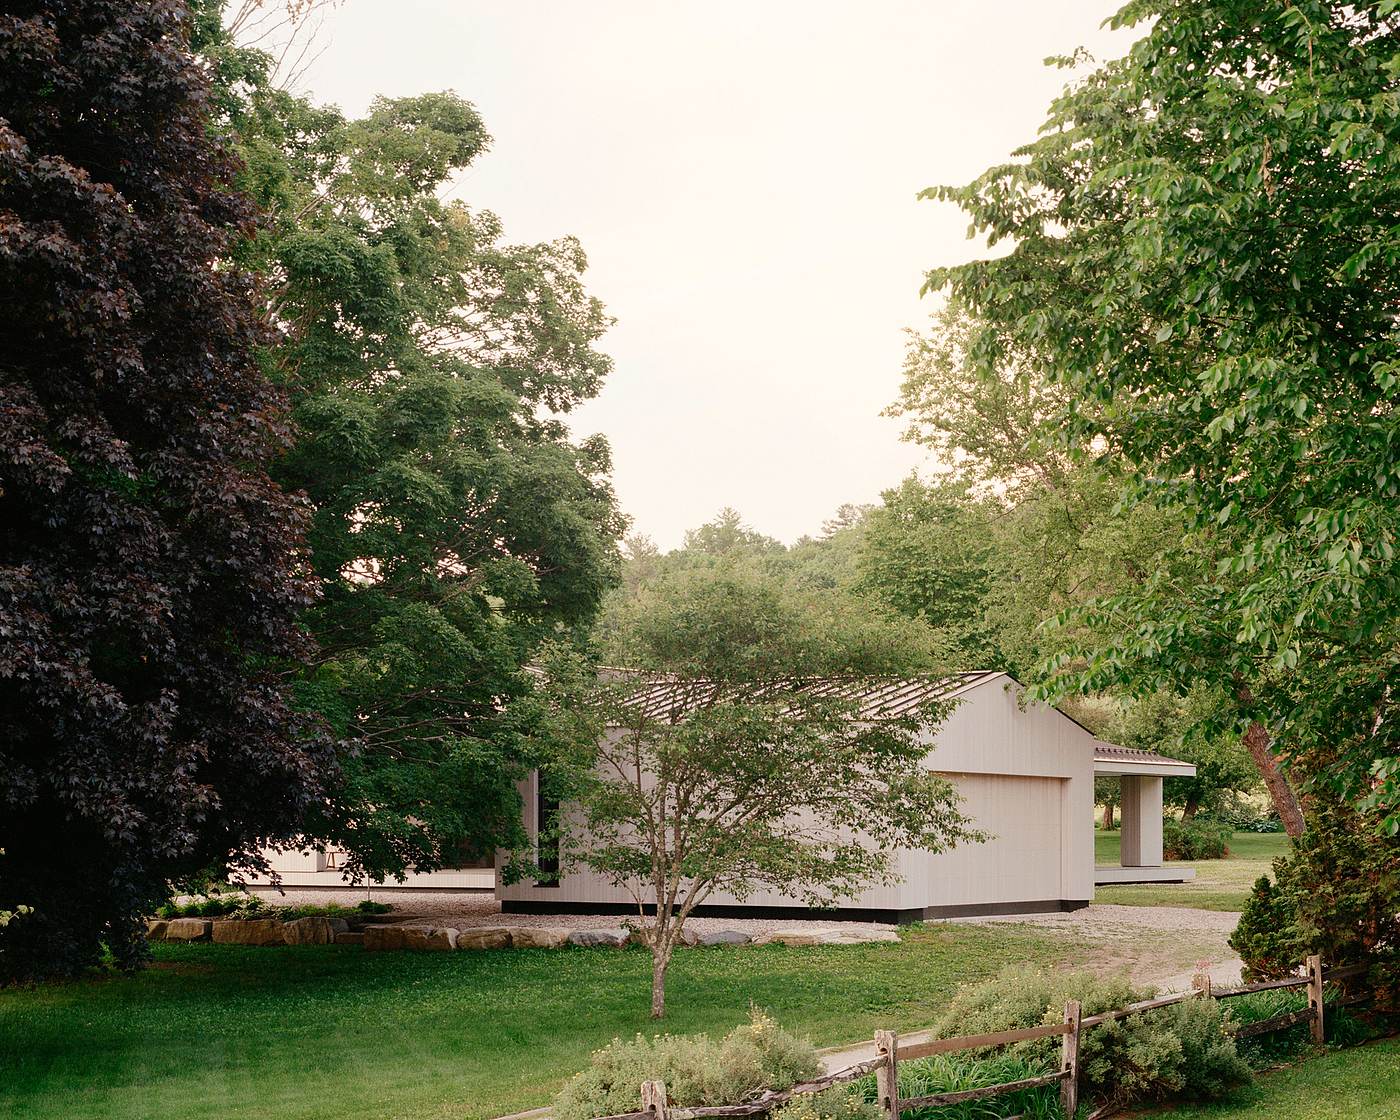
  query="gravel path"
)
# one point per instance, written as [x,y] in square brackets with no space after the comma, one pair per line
[1153,943]
[463,910]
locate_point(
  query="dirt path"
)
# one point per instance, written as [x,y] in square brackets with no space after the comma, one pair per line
[1154,944]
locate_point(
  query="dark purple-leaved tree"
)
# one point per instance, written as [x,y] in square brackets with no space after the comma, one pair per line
[150,573]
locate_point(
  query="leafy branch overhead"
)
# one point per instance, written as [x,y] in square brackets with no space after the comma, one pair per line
[1204,266]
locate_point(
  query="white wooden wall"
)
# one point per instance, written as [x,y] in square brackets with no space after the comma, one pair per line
[1027,777]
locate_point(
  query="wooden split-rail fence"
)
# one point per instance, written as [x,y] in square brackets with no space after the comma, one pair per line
[889,1053]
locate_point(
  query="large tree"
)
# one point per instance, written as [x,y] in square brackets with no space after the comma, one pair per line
[151,574]
[456,521]
[737,751]
[1206,265]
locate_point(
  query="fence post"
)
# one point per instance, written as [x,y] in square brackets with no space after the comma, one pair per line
[1069,1060]
[1315,997]
[887,1076]
[654,1098]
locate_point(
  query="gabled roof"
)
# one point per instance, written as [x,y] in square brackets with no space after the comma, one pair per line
[880,698]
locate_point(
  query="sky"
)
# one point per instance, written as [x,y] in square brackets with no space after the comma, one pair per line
[743,177]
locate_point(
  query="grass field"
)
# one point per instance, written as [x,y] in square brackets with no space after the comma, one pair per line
[1221,884]
[1358,1084]
[317,1032]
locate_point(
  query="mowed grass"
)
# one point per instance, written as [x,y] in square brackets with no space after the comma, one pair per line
[310,1033]
[1220,884]
[1357,1084]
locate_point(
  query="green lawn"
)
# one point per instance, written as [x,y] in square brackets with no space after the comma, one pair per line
[330,1032]
[1357,1084]
[1220,884]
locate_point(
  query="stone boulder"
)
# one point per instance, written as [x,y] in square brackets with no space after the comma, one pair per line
[526,937]
[602,938]
[155,929]
[310,931]
[188,929]
[380,938]
[857,936]
[689,939]
[253,931]
[794,938]
[484,937]
[442,940]
[348,938]
[724,937]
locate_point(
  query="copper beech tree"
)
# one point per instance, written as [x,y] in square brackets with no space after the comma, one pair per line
[150,573]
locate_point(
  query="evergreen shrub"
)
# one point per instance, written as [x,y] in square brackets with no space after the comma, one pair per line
[1266,937]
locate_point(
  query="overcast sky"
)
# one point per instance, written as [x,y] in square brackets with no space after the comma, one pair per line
[742,176]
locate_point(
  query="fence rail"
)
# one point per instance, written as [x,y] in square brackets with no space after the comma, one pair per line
[889,1053]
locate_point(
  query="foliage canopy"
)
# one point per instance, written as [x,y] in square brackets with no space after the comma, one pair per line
[1204,266]
[456,524]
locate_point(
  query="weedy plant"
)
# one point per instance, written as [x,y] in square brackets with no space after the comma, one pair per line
[953,1073]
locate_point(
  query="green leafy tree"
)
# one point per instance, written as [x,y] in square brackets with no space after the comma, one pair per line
[733,751]
[1017,531]
[151,574]
[1204,266]
[456,522]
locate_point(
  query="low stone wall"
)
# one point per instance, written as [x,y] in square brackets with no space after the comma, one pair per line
[390,936]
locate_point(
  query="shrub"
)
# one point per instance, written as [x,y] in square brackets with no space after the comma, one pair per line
[1343,879]
[952,1073]
[697,1071]
[1243,819]
[1266,935]
[1196,839]
[1181,1050]
[833,1104]
[1277,1046]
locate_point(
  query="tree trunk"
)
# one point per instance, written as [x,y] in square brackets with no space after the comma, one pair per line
[1193,802]
[1256,739]
[660,958]
[1108,824]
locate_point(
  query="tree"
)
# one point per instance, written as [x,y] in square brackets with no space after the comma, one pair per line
[929,553]
[735,753]
[1205,265]
[151,574]
[1016,531]
[456,523]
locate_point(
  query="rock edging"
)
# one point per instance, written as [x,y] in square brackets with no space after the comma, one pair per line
[379,937]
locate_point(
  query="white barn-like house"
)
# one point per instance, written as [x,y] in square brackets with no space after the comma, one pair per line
[1027,777]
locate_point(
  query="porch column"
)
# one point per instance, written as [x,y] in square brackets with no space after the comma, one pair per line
[1142,821]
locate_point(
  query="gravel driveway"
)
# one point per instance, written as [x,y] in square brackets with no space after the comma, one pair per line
[1154,944]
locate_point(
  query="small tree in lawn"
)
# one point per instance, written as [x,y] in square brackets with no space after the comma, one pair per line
[736,753]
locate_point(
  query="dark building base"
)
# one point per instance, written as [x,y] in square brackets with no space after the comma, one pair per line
[805,913]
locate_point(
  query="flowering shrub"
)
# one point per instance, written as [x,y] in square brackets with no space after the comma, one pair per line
[753,1057]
